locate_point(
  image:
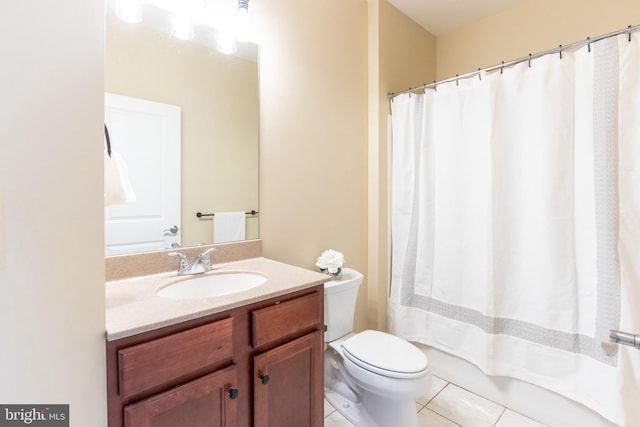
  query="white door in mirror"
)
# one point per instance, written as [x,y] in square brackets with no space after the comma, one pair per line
[147,136]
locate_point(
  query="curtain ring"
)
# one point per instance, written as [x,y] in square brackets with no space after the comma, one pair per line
[479,74]
[435,86]
[629,33]
[457,80]
[560,47]
[589,44]
[502,67]
[529,60]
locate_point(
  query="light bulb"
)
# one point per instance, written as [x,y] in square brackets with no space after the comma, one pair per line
[182,27]
[226,42]
[129,11]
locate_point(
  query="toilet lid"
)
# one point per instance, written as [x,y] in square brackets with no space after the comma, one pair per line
[385,354]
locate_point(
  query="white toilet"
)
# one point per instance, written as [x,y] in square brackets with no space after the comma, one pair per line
[372,378]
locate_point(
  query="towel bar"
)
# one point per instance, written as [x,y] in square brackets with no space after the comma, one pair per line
[200,214]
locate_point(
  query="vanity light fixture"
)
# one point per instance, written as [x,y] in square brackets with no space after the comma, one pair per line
[230,18]
[237,29]
[129,11]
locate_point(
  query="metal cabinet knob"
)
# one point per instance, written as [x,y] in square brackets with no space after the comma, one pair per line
[233,393]
[264,379]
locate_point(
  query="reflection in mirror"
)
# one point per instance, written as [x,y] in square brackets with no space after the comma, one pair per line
[217,99]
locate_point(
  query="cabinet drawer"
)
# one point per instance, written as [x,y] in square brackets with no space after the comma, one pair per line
[201,402]
[286,318]
[144,366]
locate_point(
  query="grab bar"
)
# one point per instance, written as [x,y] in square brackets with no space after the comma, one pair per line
[625,338]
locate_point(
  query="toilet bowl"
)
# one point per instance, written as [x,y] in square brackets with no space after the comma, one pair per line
[372,378]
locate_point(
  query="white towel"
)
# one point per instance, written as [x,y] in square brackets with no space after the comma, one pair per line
[228,227]
[117,187]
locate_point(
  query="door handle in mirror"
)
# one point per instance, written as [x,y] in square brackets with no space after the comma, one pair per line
[172,230]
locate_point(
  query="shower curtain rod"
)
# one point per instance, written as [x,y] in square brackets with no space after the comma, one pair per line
[630,29]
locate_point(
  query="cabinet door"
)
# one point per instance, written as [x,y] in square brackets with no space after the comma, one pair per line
[209,401]
[288,388]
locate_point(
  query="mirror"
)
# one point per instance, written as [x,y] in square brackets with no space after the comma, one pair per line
[217,96]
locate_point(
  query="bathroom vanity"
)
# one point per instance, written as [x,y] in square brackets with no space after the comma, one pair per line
[253,358]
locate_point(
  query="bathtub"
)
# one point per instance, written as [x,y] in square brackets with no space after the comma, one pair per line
[530,400]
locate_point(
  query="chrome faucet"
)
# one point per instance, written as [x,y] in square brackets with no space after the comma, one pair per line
[201,264]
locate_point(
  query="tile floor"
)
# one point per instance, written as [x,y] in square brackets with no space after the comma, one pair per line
[448,405]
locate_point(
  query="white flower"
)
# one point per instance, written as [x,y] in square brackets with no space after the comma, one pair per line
[331,261]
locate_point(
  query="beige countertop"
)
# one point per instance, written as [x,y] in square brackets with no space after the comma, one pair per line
[133,306]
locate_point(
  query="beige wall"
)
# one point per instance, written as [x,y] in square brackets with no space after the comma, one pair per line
[51,207]
[534,26]
[313,131]
[325,70]
[218,95]
[407,52]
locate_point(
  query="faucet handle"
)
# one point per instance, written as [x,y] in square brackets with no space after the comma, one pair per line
[184,262]
[204,258]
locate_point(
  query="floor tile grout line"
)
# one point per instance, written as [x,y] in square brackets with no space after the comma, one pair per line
[441,390]
[435,395]
[504,409]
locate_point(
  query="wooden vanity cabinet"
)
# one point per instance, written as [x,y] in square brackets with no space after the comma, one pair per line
[256,365]
[288,373]
[288,389]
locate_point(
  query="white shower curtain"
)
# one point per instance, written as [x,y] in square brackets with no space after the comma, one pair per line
[515,216]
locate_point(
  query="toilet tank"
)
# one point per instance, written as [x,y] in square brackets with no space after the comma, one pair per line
[340,304]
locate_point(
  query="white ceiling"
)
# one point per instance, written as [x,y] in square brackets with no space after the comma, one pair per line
[441,16]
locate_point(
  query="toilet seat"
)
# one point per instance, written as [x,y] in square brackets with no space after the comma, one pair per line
[386,355]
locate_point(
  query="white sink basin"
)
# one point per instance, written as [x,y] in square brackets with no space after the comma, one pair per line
[212,285]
